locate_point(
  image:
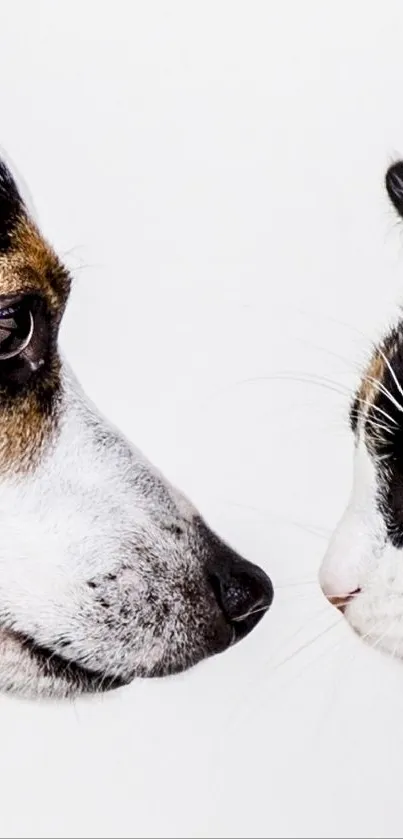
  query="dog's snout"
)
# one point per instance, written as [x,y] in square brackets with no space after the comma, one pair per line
[244,593]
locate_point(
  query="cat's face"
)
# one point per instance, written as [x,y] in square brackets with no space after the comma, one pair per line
[362,572]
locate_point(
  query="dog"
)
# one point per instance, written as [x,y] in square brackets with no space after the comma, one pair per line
[362,572]
[107,572]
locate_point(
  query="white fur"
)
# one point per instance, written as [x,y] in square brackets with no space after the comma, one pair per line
[361,557]
[81,515]
[105,565]
[358,538]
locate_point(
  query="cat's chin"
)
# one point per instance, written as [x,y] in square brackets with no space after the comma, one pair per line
[381,632]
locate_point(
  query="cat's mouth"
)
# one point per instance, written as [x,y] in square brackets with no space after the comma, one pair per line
[341,602]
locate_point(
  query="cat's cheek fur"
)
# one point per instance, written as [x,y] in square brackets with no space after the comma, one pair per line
[358,541]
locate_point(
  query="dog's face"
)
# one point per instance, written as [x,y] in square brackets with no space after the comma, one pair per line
[106,571]
[362,572]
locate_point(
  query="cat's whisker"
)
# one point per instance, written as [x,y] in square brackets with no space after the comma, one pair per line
[382,457]
[308,644]
[355,366]
[249,688]
[378,410]
[296,377]
[337,387]
[394,651]
[381,387]
[349,326]
[319,613]
[329,652]
[346,663]
[374,630]
[299,597]
[296,584]
[391,371]
[376,425]
[316,530]
[343,598]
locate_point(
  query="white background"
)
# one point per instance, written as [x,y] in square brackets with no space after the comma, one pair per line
[213,173]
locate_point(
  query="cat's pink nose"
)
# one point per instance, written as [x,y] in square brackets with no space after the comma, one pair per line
[341,601]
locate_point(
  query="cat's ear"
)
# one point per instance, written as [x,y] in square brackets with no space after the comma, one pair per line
[394,185]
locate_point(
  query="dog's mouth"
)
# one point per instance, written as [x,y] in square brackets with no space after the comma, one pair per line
[63,669]
[46,672]
[37,671]
[53,665]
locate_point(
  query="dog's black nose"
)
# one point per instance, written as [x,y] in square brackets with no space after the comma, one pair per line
[243,591]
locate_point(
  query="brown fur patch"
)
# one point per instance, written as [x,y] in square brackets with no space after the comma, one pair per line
[26,432]
[374,373]
[31,265]
[28,420]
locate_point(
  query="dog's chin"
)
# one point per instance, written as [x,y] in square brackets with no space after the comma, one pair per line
[32,671]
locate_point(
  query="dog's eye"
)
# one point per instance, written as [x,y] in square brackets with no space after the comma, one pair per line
[16,330]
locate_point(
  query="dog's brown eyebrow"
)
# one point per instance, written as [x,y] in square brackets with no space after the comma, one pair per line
[30,382]
[27,261]
[30,265]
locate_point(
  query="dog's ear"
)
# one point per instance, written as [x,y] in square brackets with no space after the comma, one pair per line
[34,288]
[394,185]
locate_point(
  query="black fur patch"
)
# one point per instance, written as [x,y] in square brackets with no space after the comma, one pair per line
[11,207]
[35,361]
[394,185]
[386,442]
[354,413]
